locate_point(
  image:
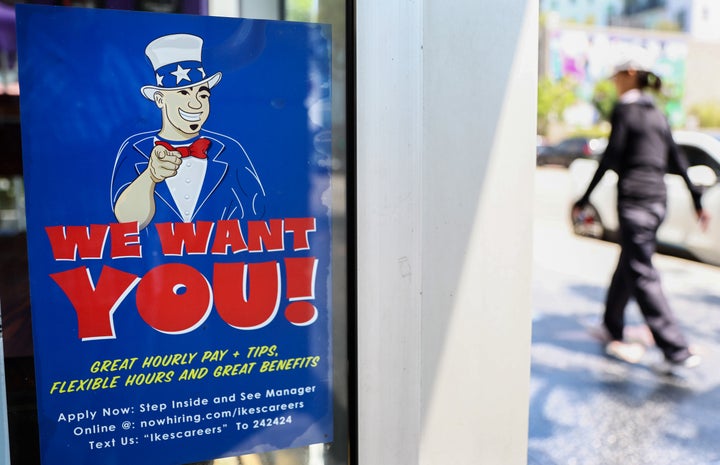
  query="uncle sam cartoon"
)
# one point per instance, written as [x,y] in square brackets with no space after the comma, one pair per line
[183,172]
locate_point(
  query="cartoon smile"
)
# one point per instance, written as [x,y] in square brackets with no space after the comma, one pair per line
[190,117]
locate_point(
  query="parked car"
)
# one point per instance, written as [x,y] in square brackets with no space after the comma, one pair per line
[680,231]
[569,150]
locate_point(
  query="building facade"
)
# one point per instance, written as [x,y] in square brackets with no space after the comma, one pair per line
[597,12]
[699,18]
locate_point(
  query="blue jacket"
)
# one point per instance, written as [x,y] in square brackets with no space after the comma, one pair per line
[231,188]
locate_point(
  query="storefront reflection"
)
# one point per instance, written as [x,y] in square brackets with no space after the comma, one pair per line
[14,292]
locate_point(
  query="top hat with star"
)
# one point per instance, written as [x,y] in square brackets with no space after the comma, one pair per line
[177,61]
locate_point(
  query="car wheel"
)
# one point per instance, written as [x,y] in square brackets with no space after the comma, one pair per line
[588,223]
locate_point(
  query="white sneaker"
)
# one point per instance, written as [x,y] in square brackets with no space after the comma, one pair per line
[669,367]
[691,362]
[631,352]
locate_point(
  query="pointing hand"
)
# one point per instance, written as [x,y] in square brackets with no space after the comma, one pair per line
[163,164]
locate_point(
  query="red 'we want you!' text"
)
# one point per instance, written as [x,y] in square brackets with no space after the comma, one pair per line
[176,298]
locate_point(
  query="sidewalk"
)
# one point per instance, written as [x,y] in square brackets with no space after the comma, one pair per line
[588,409]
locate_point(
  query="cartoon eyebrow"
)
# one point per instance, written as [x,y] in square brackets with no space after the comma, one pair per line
[205,88]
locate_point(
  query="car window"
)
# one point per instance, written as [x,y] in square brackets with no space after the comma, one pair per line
[572,144]
[696,156]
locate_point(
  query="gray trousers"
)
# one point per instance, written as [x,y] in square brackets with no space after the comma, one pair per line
[635,276]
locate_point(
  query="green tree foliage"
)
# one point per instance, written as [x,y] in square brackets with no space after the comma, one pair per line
[299,10]
[604,98]
[553,98]
[707,114]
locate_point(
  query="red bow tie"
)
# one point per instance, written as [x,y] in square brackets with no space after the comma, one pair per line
[197,149]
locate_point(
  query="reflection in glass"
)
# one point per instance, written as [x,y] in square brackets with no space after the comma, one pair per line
[332,12]
[12,206]
[18,359]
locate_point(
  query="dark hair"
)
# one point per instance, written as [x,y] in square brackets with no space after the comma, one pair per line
[648,79]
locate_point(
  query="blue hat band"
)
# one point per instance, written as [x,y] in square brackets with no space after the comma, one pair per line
[180,74]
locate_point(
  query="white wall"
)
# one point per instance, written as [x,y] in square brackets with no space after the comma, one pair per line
[390,162]
[701,83]
[446,130]
[227,8]
[704,20]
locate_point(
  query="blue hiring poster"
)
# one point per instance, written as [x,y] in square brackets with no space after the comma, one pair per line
[178,187]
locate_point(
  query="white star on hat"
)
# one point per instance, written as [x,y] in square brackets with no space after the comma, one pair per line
[175,51]
[181,74]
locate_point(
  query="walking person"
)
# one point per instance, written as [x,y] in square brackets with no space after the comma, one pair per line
[641,151]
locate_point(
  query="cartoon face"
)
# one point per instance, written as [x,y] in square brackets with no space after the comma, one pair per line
[184,111]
